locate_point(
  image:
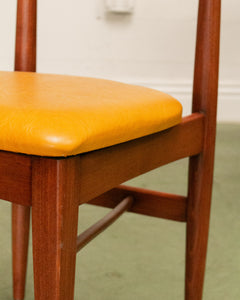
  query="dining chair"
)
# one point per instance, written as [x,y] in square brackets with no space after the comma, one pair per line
[68,140]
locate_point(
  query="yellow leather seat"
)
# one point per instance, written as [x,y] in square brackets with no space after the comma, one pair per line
[55,115]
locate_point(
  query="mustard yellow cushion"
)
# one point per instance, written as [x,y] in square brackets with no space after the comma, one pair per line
[55,115]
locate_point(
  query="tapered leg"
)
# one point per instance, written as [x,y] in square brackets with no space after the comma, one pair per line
[200,187]
[54,219]
[20,238]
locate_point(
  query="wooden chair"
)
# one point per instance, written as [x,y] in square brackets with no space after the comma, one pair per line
[54,185]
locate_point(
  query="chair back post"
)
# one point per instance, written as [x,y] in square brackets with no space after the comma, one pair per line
[25,60]
[205,87]
[205,91]
[25,49]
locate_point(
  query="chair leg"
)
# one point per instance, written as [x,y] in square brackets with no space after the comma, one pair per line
[199,202]
[20,239]
[54,219]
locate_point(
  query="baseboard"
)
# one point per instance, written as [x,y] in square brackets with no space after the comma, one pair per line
[228,99]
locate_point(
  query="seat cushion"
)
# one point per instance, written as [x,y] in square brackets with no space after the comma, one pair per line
[56,115]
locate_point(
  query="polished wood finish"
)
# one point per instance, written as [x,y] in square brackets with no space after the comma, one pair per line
[55,187]
[25,60]
[146,202]
[93,231]
[117,164]
[201,166]
[15,178]
[25,49]
[54,223]
[20,237]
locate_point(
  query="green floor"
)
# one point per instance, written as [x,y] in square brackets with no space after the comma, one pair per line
[141,258]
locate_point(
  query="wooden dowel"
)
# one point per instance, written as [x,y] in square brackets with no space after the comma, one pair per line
[25,60]
[85,237]
[25,48]
[146,202]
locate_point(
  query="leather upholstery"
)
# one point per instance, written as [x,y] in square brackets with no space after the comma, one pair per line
[56,115]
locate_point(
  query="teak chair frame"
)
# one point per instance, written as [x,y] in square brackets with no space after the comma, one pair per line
[55,187]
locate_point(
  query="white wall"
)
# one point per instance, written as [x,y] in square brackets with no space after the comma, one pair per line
[153,47]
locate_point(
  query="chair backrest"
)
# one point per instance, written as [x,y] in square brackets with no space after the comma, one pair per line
[206,59]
